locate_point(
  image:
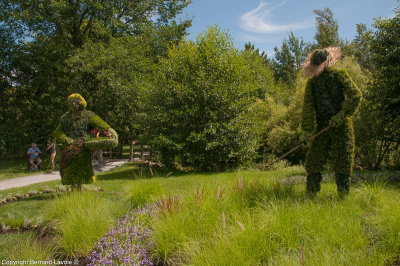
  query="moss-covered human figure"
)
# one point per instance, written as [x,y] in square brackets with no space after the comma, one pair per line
[331,97]
[79,132]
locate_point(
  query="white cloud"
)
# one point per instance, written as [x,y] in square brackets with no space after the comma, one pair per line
[258,20]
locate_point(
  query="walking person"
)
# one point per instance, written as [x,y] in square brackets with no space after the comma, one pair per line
[51,151]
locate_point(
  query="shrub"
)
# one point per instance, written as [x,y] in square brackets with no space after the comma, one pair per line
[201,107]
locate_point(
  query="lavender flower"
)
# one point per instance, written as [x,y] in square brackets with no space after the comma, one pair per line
[126,243]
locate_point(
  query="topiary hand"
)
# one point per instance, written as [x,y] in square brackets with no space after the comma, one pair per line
[337,119]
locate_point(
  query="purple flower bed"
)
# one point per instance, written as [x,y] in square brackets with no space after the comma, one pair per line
[126,243]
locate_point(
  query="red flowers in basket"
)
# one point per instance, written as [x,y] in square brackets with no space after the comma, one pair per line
[95,133]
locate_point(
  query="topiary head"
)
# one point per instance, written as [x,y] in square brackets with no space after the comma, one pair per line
[319,56]
[76,102]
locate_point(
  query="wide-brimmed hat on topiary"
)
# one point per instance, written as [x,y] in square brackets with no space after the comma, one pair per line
[319,59]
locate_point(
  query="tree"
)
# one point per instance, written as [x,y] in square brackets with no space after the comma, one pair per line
[361,45]
[288,60]
[75,21]
[327,29]
[250,47]
[201,107]
[114,78]
[47,34]
[384,94]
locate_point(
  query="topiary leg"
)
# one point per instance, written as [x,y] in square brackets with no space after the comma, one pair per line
[316,158]
[313,184]
[342,183]
[76,165]
[343,155]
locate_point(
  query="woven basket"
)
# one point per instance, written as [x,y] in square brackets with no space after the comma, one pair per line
[95,144]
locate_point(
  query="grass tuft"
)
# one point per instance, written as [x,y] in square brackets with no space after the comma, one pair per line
[82,218]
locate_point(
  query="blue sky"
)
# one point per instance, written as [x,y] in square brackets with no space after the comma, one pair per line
[265,23]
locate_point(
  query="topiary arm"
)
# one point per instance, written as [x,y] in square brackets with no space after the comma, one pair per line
[351,93]
[102,142]
[60,135]
[308,117]
[99,123]
[352,97]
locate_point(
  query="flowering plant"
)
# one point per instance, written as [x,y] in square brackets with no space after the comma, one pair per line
[126,243]
[95,133]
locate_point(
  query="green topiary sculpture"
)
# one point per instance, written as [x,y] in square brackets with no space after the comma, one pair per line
[330,98]
[79,132]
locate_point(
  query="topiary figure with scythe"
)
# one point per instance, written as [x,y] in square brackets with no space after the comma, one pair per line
[79,132]
[330,99]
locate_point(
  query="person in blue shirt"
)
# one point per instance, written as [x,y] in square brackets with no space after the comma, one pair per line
[34,156]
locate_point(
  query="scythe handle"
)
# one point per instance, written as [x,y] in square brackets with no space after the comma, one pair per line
[298,146]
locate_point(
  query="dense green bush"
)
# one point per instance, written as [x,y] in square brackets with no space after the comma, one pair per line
[201,108]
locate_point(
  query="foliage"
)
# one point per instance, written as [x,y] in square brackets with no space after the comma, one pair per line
[200,108]
[331,98]
[288,61]
[76,102]
[385,93]
[40,38]
[114,78]
[250,47]
[361,45]
[327,29]
[75,124]
[102,143]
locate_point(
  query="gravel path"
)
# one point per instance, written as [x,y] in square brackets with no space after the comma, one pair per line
[39,178]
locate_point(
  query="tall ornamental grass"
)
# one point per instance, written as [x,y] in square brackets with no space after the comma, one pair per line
[249,221]
[80,220]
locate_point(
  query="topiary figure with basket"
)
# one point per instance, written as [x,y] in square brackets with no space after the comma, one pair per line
[79,132]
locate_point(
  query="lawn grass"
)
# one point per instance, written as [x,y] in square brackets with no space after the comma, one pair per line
[228,218]
[16,168]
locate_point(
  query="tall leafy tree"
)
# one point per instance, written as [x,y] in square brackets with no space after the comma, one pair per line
[327,28]
[362,46]
[47,34]
[385,93]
